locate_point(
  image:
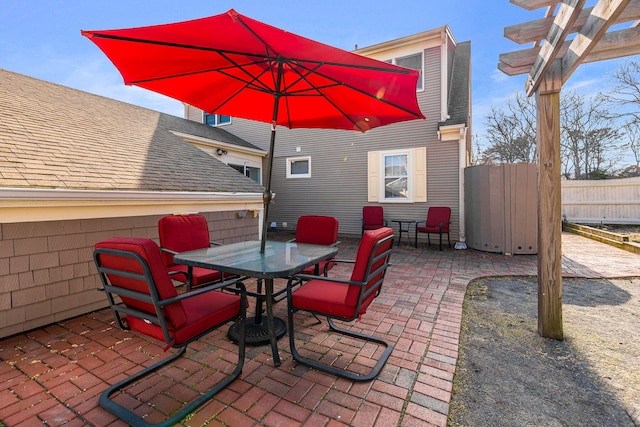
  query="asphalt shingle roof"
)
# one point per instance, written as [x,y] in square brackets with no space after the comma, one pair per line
[459,96]
[53,136]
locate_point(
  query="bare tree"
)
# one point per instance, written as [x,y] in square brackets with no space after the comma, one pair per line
[590,140]
[631,136]
[590,145]
[625,92]
[511,131]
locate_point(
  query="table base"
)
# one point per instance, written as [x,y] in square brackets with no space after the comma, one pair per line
[258,333]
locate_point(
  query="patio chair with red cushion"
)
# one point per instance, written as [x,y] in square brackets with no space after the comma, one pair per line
[438,220]
[182,233]
[344,300]
[317,230]
[373,218]
[132,270]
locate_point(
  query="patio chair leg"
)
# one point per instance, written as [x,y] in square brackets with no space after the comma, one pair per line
[126,415]
[341,372]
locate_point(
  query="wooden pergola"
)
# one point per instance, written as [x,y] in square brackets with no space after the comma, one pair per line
[570,34]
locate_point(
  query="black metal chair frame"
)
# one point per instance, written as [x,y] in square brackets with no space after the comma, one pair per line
[376,287]
[159,319]
[440,232]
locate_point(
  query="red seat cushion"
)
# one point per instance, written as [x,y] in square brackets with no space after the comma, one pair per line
[369,240]
[372,217]
[432,229]
[150,252]
[182,233]
[323,297]
[340,299]
[437,215]
[185,319]
[317,230]
[203,313]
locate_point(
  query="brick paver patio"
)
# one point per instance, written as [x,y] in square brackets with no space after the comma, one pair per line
[54,375]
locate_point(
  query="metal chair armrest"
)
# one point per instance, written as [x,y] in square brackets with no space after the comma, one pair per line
[344,261]
[306,277]
[237,282]
[169,251]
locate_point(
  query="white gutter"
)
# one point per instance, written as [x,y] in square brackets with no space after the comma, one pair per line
[8,193]
[41,204]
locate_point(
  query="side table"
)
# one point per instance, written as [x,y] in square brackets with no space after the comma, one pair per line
[404,226]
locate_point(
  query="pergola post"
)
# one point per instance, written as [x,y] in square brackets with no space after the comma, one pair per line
[549,63]
[549,206]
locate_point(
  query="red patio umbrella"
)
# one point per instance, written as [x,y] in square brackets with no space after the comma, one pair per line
[234,65]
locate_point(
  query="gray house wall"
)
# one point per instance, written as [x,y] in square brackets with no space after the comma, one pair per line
[338,183]
[47,272]
[339,169]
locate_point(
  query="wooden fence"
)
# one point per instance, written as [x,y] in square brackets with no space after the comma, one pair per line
[610,201]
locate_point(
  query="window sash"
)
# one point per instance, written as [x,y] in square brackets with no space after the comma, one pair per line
[415,62]
[299,167]
[396,176]
[216,119]
[248,171]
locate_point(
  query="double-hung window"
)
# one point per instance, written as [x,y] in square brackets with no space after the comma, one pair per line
[397,176]
[413,61]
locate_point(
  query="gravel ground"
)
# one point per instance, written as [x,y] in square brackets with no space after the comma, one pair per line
[507,375]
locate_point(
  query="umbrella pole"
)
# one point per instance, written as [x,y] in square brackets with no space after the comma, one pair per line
[267,196]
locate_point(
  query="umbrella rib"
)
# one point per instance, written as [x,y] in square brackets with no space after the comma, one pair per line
[169,44]
[316,70]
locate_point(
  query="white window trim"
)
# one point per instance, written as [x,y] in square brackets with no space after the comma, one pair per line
[295,159]
[416,174]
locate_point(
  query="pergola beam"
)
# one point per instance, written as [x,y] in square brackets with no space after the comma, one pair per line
[534,31]
[562,23]
[616,44]
[600,19]
[534,4]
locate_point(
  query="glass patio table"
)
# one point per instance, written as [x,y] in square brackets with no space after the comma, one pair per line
[279,260]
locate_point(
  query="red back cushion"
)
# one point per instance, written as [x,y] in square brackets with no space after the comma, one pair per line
[369,240]
[317,229]
[437,215]
[181,233]
[150,252]
[373,215]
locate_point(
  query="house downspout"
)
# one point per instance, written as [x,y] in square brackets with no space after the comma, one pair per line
[462,163]
[458,133]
